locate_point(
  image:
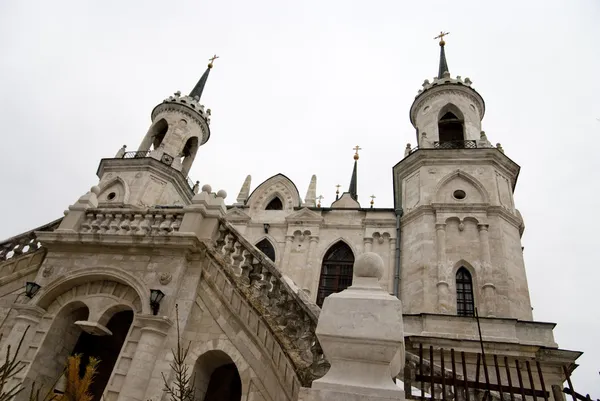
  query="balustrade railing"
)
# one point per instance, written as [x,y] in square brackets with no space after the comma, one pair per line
[24,243]
[131,222]
[288,312]
[469,144]
[140,154]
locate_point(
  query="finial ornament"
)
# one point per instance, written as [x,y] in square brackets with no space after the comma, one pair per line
[319,198]
[356,148]
[211,60]
[372,200]
[441,37]
[337,191]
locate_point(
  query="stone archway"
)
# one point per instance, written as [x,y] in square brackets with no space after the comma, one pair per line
[217,377]
[92,318]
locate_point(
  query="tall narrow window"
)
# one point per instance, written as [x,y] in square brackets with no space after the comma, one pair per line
[336,271]
[266,247]
[465,304]
[159,132]
[275,204]
[451,130]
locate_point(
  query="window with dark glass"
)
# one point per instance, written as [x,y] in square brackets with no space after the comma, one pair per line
[465,304]
[336,271]
[266,247]
[275,204]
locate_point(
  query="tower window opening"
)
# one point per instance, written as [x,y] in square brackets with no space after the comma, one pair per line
[336,271]
[160,130]
[451,129]
[465,303]
[275,204]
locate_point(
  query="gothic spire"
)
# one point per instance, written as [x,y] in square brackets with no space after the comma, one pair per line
[443,63]
[199,88]
[353,181]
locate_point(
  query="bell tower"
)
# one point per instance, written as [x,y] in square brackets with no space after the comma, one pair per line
[157,173]
[460,230]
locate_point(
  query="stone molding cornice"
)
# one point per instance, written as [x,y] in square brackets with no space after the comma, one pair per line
[152,165]
[83,242]
[28,310]
[459,157]
[156,324]
[451,208]
[175,105]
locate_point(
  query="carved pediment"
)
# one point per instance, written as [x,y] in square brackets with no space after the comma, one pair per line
[304,215]
[237,215]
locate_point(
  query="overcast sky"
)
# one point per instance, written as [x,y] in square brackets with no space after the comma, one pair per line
[297,85]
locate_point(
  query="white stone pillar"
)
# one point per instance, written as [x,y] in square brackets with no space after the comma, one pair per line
[313,240]
[362,335]
[154,330]
[489,289]
[289,242]
[368,243]
[443,289]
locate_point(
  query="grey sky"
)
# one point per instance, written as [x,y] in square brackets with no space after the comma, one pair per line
[297,86]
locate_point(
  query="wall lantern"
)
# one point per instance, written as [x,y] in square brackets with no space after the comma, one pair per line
[31,289]
[266,226]
[155,297]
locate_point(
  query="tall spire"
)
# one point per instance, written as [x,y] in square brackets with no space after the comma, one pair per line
[199,88]
[443,63]
[353,181]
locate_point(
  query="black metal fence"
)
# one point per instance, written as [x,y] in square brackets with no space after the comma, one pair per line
[469,144]
[136,155]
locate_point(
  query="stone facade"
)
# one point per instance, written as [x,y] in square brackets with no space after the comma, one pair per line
[252,324]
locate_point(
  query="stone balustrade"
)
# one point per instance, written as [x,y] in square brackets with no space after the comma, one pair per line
[292,317]
[25,243]
[131,222]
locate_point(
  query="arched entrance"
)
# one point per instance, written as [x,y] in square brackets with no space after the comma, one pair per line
[217,377]
[104,348]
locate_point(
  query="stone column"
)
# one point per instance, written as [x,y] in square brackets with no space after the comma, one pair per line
[368,242]
[289,242]
[309,278]
[154,330]
[442,284]
[361,332]
[489,289]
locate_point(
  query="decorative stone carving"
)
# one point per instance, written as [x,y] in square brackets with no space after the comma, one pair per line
[165,278]
[47,271]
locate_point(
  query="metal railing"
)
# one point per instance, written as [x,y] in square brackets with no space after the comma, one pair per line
[139,154]
[468,144]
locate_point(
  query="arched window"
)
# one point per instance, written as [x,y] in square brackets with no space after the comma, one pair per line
[158,133]
[451,131]
[266,247]
[275,204]
[336,271]
[465,304]
[189,154]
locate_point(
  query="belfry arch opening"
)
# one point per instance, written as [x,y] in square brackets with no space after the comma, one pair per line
[216,377]
[155,136]
[188,154]
[336,271]
[451,128]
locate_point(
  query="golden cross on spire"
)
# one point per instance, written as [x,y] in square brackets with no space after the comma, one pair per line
[372,200]
[337,188]
[211,60]
[319,198]
[356,148]
[441,37]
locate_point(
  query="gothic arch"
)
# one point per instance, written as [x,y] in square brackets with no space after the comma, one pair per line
[438,193]
[337,270]
[119,187]
[451,108]
[155,136]
[271,242]
[277,185]
[59,286]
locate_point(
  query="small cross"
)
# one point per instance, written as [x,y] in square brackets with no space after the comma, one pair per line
[213,58]
[441,36]
[319,200]
[356,148]
[337,188]
[372,200]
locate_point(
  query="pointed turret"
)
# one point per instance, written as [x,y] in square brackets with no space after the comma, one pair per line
[443,63]
[196,93]
[311,193]
[244,191]
[353,180]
